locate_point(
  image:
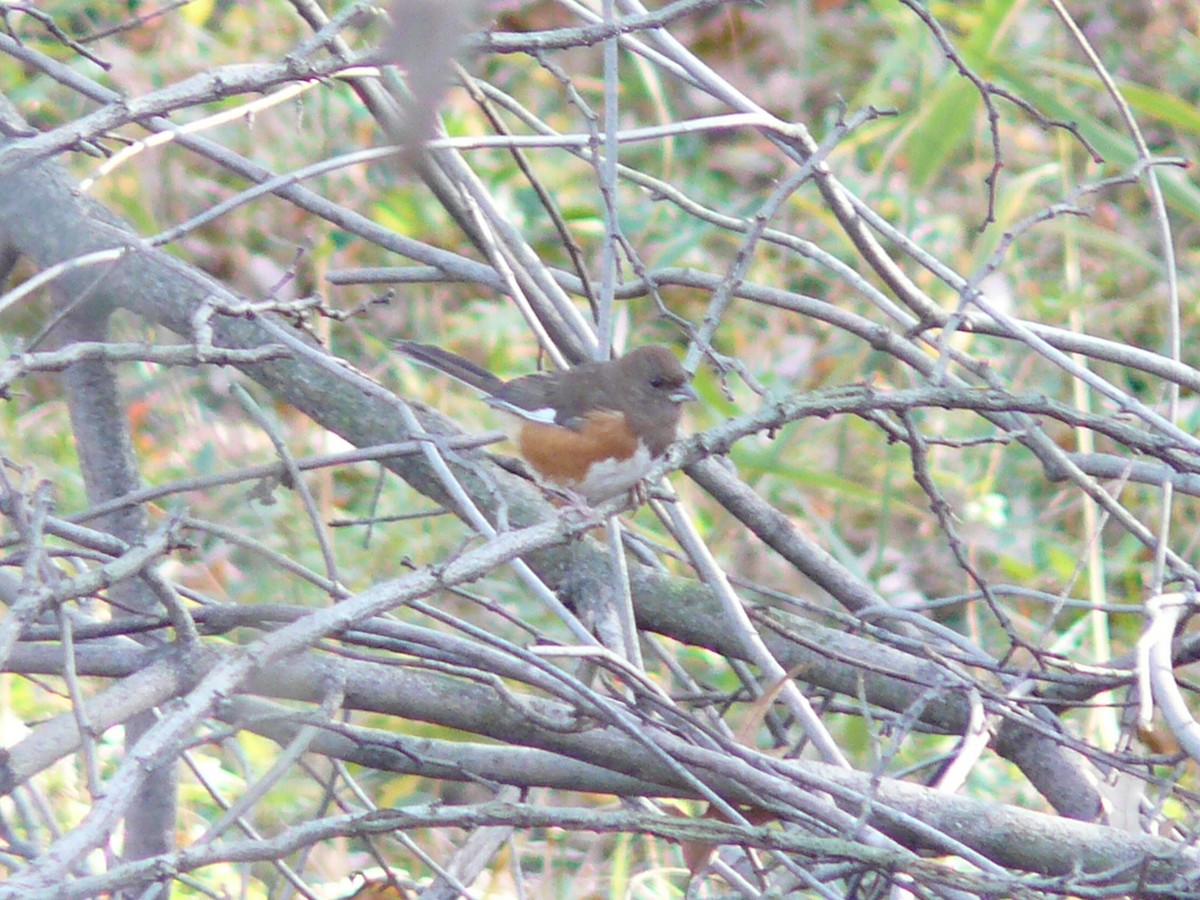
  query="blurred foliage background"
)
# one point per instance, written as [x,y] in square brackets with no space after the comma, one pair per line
[921,162]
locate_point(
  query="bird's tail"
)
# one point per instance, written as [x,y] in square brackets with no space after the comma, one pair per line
[451,364]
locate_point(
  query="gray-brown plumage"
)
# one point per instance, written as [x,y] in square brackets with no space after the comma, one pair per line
[595,428]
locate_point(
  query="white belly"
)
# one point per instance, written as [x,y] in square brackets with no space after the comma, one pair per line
[610,477]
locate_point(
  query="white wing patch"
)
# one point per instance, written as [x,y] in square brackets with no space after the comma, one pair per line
[545,415]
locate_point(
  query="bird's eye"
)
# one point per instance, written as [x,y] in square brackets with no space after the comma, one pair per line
[658,381]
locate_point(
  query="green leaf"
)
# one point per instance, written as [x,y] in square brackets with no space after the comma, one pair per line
[945,123]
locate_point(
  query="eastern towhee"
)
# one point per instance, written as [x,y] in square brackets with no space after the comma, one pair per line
[594,429]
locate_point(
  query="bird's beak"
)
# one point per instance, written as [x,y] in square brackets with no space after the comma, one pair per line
[684,393]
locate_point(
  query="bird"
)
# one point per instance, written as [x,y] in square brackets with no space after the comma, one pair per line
[593,430]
